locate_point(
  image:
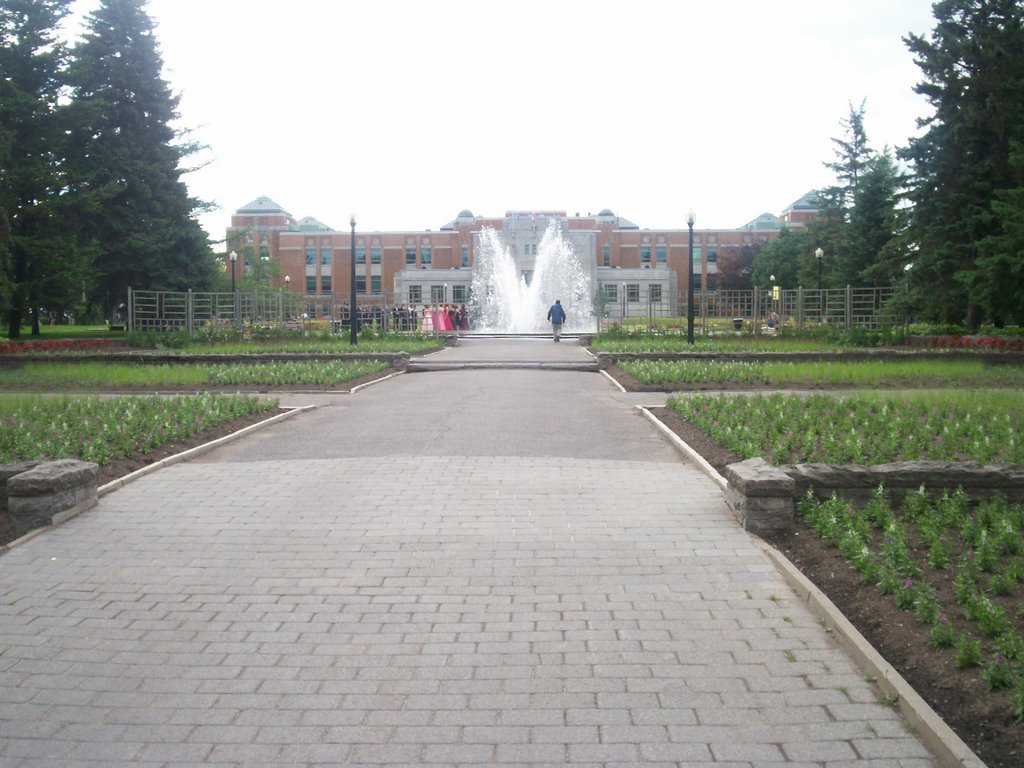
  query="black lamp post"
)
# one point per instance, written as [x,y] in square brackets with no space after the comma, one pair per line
[691,217]
[353,335]
[234,296]
[818,253]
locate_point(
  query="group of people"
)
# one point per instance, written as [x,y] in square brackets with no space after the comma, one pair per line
[445,317]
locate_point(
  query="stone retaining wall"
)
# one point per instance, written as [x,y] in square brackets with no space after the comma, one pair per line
[764,496]
[856,483]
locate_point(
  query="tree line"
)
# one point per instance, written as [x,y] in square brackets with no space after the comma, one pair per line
[92,199]
[91,193]
[943,216]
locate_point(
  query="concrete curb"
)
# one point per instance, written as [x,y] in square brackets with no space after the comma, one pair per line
[685,449]
[944,744]
[359,387]
[199,450]
[948,748]
[610,378]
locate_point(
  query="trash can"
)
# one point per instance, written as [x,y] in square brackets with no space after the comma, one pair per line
[737,323]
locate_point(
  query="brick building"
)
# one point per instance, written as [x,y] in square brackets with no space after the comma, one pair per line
[626,264]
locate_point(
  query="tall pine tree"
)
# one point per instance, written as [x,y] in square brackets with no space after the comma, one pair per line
[124,150]
[38,247]
[973,68]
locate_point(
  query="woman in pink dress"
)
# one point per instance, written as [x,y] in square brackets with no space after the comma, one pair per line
[428,319]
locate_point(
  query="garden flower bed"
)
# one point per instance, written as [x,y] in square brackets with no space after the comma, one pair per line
[55,346]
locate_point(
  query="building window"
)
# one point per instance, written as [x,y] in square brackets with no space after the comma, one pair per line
[712,281]
[360,283]
[325,283]
[459,294]
[632,292]
[325,257]
[712,254]
[645,255]
[437,294]
[375,255]
[610,292]
[465,255]
[310,283]
[410,254]
[415,294]
[360,255]
[655,293]
[425,254]
[375,285]
[607,255]
[661,253]
[310,257]
[697,258]
[695,282]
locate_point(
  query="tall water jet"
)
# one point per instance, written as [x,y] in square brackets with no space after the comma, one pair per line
[508,299]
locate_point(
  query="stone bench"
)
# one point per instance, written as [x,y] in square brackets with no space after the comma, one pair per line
[42,493]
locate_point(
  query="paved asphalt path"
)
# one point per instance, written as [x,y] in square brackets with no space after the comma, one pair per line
[468,567]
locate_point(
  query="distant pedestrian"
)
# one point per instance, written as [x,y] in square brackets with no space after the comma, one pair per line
[557,316]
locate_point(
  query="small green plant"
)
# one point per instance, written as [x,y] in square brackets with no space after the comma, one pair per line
[967,652]
[943,634]
[998,674]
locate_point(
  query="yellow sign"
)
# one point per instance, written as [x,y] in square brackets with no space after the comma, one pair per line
[775,292]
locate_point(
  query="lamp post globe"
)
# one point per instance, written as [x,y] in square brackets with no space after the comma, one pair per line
[818,253]
[691,217]
[353,315]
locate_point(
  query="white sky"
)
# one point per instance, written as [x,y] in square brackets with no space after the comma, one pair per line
[407,111]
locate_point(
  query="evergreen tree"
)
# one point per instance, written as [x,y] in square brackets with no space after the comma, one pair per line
[38,249]
[853,155]
[857,213]
[873,221]
[781,257]
[124,150]
[998,282]
[973,68]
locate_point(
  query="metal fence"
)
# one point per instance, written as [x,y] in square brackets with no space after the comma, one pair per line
[197,312]
[758,310]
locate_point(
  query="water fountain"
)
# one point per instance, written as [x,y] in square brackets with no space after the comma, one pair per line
[504,301]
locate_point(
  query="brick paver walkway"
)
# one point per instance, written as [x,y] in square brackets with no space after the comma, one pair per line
[417,609]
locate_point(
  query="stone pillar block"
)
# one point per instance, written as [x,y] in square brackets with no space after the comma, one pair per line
[761,495]
[50,492]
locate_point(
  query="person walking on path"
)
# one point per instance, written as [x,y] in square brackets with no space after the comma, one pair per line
[557,316]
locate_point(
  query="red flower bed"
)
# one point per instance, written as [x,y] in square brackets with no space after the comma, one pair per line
[995,343]
[59,345]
